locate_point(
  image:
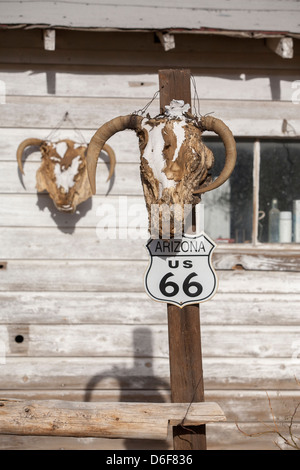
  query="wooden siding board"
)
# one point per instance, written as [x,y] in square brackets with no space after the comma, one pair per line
[218,439]
[81,81]
[126,341]
[127,42]
[116,275]
[126,179]
[51,243]
[136,308]
[38,210]
[111,373]
[251,119]
[152,60]
[143,16]
[125,144]
[230,4]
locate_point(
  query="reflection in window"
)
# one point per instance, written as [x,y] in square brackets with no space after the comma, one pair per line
[228,209]
[279,191]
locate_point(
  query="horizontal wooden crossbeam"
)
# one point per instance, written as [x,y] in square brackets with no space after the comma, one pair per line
[106,420]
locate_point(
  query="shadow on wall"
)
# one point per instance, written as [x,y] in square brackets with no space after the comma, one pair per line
[132,378]
[66,222]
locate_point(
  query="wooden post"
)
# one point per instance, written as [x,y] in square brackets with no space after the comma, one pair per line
[183,323]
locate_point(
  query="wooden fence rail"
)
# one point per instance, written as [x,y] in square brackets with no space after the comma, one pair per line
[106,420]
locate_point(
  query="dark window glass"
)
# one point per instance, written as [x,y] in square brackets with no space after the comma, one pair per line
[279,183]
[228,209]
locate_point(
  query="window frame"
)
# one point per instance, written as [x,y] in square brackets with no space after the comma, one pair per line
[255,244]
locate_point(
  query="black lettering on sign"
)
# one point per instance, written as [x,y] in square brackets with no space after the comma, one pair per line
[165,284]
[192,289]
[170,288]
[187,263]
[173,263]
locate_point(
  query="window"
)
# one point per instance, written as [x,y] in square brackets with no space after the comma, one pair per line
[266,176]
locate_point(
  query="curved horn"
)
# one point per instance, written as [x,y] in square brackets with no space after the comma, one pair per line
[22,147]
[98,140]
[112,159]
[210,123]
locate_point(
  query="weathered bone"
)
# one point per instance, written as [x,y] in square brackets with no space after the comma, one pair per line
[175,163]
[63,172]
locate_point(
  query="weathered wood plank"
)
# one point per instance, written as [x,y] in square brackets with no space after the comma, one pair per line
[114,275]
[254,406]
[242,406]
[136,308]
[74,275]
[38,210]
[126,179]
[11,442]
[249,408]
[230,5]
[145,16]
[50,243]
[109,420]
[220,436]
[223,436]
[212,84]
[74,41]
[100,340]
[90,113]
[262,259]
[125,144]
[139,59]
[20,373]
[79,307]
[231,60]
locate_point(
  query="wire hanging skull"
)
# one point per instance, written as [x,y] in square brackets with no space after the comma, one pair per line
[175,164]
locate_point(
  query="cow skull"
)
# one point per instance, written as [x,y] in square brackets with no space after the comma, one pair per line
[63,172]
[175,163]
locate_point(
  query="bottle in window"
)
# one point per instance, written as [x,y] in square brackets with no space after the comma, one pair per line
[274,215]
[296,216]
[285,227]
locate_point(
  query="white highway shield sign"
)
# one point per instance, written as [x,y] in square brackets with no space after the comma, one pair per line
[180,271]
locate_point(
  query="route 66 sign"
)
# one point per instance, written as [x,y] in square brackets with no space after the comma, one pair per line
[180,271]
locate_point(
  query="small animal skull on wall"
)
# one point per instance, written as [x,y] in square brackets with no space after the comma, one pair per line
[174,162]
[63,172]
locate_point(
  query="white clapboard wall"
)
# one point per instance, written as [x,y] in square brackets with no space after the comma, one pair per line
[75,322]
[233,17]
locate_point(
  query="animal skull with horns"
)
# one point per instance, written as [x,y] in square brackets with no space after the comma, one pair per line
[174,162]
[63,172]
